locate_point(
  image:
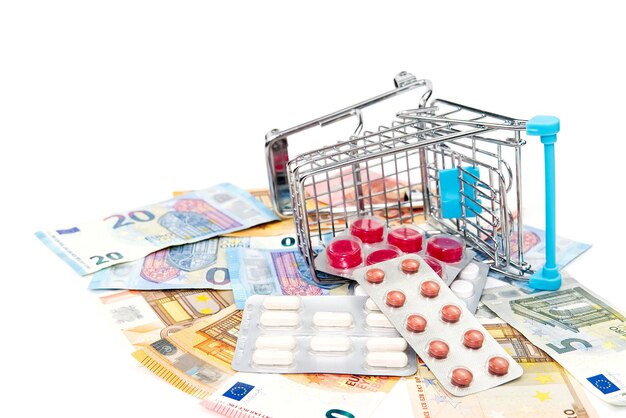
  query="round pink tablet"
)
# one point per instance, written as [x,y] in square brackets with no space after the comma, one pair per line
[462,377]
[438,349]
[498,366]
[446,248]
[450,313]
[395,298]
[473,339]
[368,230]
[344,253]
[375,276]
[409,240]
[410,265]
[429,289]
[416,323]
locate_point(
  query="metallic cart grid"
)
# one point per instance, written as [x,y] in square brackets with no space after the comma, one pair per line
[394,172]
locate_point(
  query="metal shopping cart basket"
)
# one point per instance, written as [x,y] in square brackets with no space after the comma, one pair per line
[458,166]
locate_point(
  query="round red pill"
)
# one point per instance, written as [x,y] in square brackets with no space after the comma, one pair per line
[344,253]
[395,298]
[368,230]
[461,377]
[434,264]
[409,240]
[473,339]
[375,276]
[410,265]
[498,366]
[429,289]
[450,313]
[438,349]
[384,253]
[415,323]
[446,248]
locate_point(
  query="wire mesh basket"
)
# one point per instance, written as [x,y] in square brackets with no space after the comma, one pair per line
[456,167]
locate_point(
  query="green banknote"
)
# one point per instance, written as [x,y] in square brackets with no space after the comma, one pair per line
[577,328]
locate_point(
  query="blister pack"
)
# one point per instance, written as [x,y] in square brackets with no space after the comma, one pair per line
[312,334]
[463,356]
[469,284]
[450,251]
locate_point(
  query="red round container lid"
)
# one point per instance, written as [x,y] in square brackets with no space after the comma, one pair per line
[368,230]
[434,264]
[384,254]
[446,248]
[344,253]
[408,240]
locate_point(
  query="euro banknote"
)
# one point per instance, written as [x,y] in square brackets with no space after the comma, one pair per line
[580,330]
[197,361]
[300,395]
[132,234]
[280,227]
[534,250]
[544,390]
[148,316]
[201,265]
[272,272]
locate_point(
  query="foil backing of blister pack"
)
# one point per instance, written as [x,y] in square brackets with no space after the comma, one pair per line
[478,361]
[306,336]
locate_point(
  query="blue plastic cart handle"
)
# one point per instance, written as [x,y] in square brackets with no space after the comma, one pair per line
[548,277]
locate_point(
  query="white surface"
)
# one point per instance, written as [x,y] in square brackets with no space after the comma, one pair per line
[110,105]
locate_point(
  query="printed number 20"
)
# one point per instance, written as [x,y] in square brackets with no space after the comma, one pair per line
[567,345]
[111,256]
[136,215]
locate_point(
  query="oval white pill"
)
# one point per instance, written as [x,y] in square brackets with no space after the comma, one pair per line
[358,291]
[386,359]
[386,344]
[377,320]
[272,357]
[332,319]
[332,344]
[470,272]
[288,303]
[279,319]
[369,304]
[277,342]
[462,288]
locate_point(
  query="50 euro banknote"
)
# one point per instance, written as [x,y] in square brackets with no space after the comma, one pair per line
[132,234]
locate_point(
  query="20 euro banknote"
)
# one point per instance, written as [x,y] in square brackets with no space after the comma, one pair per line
[128,235]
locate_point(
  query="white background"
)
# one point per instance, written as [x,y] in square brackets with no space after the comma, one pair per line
[111,105]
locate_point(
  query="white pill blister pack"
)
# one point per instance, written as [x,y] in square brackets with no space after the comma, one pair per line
[312,334]
[462,355]
[469,284]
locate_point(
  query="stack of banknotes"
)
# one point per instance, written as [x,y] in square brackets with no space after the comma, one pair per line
[174,276]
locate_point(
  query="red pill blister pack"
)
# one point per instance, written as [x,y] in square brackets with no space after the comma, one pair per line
[368,241]
[459,351]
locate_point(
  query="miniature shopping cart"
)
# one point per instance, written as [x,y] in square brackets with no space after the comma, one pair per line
[457,166]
